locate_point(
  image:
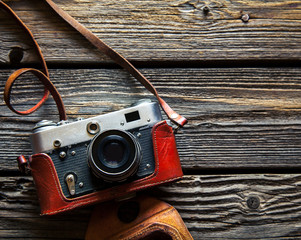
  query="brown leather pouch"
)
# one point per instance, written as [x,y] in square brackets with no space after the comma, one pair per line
[140,218]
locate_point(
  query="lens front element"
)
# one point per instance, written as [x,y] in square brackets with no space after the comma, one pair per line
[113,151]
[114,155]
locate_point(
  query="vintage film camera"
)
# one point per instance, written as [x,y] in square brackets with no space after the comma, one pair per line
[103,157]
[100,152]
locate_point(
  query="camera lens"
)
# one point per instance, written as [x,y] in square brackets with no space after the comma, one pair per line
[114,155]
[113,152]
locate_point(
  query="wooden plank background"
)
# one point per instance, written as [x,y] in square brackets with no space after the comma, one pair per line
[237,82]
[161,30]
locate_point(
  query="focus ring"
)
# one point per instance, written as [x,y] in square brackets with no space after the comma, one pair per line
[117,163]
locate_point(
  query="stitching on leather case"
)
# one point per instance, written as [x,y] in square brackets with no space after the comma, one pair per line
[59,190]
[53,175]
[152,228]
[93,200]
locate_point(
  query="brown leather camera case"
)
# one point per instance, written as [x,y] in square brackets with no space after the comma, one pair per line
[52,200]
[154,220]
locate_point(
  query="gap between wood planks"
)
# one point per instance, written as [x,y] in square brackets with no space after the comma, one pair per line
[203,171]
[168,64]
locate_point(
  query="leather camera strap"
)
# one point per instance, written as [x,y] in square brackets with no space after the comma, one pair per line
[107,50]
[43,75]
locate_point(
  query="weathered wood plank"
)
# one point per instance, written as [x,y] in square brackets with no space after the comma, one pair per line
[238,118]
[252,206]
[165,30]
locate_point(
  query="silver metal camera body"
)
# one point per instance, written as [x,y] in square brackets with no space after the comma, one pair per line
[102,151]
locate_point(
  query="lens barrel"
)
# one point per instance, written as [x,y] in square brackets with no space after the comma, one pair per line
[114,155]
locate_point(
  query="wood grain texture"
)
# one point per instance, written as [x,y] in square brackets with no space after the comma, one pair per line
[161,30]
[212,207]
[239,118]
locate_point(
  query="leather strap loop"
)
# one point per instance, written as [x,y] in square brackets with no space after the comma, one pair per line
[42,76]
[16,74]
[49,87]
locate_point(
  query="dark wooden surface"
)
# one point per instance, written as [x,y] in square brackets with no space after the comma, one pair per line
[238,83]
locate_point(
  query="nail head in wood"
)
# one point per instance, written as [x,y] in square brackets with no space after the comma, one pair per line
[245,18]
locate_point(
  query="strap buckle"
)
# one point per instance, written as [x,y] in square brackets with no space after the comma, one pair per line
[23,164]
[175,127]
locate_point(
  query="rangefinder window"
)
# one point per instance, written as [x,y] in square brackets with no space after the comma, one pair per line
[133,116]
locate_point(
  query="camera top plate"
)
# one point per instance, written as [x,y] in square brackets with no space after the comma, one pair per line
[46,137]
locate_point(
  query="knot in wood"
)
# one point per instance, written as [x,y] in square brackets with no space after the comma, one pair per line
[253,202]
[205,10]
[16,55]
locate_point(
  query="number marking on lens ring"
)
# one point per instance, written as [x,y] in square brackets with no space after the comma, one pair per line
[93,127]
